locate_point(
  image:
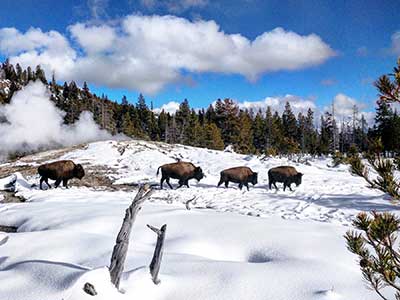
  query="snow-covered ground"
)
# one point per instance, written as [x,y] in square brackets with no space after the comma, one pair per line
[232,244]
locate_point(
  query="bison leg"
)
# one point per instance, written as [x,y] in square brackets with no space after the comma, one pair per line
[226,183]
[240,186]
[275,186]
[290,187]
[181,182]
[247,185]
[41,182]
[167,180]
[45,179]
[161,182]
[220,182]
[57,183]
[187,183]
[65,183]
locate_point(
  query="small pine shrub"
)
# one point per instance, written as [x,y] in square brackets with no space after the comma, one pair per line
[375,245]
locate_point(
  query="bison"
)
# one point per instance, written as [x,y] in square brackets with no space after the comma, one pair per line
[62,170]
[285,174]
[184,171]
[241,175]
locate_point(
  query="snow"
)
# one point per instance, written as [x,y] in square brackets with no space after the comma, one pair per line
[219,249]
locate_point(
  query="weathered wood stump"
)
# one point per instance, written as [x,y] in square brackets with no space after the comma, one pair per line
[158,252]
[121,247]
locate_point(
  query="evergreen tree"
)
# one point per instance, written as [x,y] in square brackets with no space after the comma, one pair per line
[182,117]
[162,125]
[384,124]
[259,130]
[289,122]
[19,71]
[245,138]
[227,120]
[39,74]
[212,137]
[143,114]
[211,115]
[127,125]
[31,76]
[310,134]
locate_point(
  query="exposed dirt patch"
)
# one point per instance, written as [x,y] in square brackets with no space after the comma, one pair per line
[9,197]
[8,228]
[28,164]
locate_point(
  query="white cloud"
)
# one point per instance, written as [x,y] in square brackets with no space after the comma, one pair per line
[396,43]
[93,39]
[146,53]
[297,104]
[49,49]
[344,107]
[170,107]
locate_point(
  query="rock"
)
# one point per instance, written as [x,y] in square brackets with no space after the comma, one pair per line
[89,289]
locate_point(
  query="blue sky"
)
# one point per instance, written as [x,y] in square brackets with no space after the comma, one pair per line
[360,34]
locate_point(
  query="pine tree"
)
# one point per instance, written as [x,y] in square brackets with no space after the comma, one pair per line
[325,138]
[310,134]
[127,125]
[211,115]
[182,117]
[389,90]
[384,124]
[31,76]
[227,120]
[301,131]
[19,71]
[289,122]
[39,74]
[172,131]
[85,89]
[212,137]
[162,125]
[259,130]
[269,124]
[143,114]
[245,138]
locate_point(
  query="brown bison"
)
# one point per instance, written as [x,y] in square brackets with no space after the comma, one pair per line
[184,171]
[285,174]
[241,175]
[62,170]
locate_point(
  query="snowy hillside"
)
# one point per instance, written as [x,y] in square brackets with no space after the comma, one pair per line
[232,244]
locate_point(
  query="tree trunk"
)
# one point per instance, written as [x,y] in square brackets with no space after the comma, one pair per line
[121,247]
[158,252]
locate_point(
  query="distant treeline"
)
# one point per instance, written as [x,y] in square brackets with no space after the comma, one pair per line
[248,131]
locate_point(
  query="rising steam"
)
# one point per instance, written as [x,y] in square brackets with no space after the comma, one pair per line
[34,123]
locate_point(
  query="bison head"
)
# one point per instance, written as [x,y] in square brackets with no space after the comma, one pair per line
[198,174]
[79,172]
[254,179]
[297,179]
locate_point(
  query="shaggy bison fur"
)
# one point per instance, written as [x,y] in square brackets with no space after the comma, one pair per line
[183,171]
[62,170]
[241,175]
[285,174]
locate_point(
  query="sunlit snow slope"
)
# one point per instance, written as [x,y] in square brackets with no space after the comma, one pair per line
[232,244]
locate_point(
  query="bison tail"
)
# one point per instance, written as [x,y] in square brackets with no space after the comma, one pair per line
[158,170]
